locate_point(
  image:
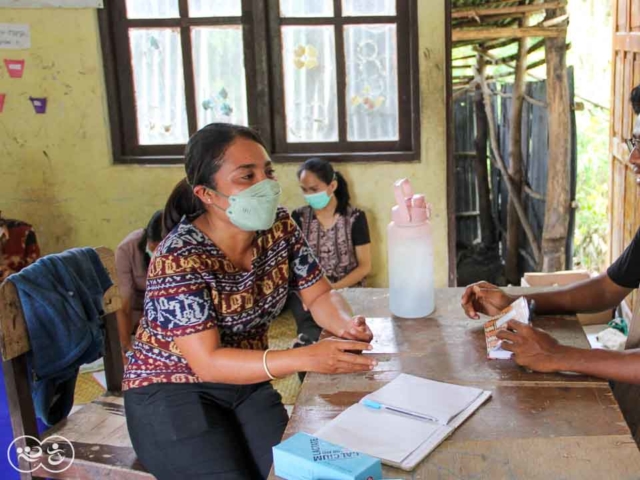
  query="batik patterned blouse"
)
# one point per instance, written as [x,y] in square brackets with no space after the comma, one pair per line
[192,286]
[335,247]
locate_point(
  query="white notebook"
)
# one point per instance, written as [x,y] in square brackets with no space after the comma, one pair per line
[405,420]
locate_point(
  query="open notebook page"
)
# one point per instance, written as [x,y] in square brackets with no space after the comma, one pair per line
[420,396]
[379,433]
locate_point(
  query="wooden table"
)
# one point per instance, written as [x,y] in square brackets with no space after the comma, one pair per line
[535,426]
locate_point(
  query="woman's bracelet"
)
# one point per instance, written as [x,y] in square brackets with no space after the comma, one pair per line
[264,365]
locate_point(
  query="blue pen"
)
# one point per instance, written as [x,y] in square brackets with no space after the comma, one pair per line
[378,406]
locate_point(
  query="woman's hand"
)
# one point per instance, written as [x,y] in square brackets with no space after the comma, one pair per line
[329,356]
[482,297]
[357,329]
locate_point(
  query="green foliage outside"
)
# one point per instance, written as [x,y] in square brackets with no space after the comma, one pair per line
[592,222]
[590,34]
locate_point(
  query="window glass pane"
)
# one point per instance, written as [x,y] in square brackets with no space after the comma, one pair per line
[215,8]
[306,8]
[372,82]
[310,88]
[158,80]
[218,60]
[354,8]
[152,9]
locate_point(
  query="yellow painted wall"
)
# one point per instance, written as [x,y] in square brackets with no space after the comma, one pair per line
[57,172]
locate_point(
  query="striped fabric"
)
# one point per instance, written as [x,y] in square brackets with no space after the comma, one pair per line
[192,286]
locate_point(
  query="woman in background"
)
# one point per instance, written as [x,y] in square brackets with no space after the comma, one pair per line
[132,262]
[337,233]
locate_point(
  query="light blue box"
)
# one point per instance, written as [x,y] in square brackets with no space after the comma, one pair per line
[304,457]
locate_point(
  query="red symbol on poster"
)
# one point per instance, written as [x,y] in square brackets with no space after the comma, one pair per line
[2,97]
[14,67]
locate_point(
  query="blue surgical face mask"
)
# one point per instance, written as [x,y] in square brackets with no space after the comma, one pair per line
[319,200]
[254,208]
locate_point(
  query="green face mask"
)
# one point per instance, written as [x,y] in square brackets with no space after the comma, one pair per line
[254,208]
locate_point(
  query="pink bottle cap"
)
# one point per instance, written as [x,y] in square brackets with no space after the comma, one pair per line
[419,210]
[401,214]
[410,208]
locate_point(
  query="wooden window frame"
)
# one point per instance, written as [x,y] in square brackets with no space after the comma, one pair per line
[260,20]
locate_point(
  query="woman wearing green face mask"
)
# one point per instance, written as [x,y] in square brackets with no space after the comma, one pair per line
[337,233]
[198,399]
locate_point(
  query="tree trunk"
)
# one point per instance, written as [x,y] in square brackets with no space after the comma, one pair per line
[558,203]
[482,173]
[497,161]
[512,271]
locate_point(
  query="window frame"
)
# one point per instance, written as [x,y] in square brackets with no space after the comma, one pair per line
[260,20]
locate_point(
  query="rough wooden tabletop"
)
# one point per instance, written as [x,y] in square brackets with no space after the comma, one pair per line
[536,425]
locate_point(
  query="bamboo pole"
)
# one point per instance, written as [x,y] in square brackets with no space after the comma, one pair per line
[479,34]
[499,164]
[507,21]
[558,204]
[496,3]
[512,271]
[490,45]
[468,80]
[513,58]
[480,162]
[473,12]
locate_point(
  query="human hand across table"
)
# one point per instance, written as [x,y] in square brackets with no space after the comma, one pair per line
[483,297]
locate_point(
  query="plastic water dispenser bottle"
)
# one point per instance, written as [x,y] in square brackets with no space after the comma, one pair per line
[410,254]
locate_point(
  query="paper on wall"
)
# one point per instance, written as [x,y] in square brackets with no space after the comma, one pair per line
[15,36]
[51,3]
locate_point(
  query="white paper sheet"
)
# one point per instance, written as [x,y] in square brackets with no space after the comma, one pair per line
[14,36]
[379,433]
[426,397]
[51,3]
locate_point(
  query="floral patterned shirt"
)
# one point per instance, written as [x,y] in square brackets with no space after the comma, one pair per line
[18,246]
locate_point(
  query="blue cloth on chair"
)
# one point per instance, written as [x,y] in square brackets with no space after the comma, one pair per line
[61,297]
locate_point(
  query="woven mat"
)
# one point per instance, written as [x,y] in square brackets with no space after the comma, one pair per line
[281,335]
[87,389]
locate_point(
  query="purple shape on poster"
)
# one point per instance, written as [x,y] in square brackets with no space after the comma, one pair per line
[39,104]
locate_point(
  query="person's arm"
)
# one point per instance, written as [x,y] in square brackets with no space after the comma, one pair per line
[213,363]
[593,295]
[363,254]
[123,317]
[126,287]
[537,350]
[607,364]
[332,312]
[327,306]
[603,292]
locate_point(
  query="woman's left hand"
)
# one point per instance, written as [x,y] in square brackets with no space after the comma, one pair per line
[357,329]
